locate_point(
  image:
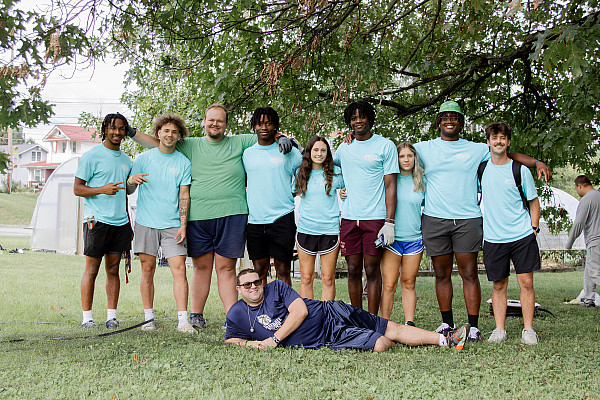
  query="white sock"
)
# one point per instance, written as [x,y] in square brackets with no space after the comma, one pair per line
[87,316]
[111,313]
[443,341]
[148,314]
[182,317]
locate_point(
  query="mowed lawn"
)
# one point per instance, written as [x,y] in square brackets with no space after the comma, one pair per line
[17,208]
[44,354]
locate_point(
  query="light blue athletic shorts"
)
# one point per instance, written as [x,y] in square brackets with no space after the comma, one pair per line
[406,248]
[148,240]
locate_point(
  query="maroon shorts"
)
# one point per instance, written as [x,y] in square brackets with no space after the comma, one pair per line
[358,237]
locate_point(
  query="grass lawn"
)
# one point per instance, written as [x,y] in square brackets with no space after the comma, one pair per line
[17,208]
[48,356]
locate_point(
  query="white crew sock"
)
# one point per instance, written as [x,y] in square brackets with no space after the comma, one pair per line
[182,317]
[87,316]
[111,313]
[148,314]
[443,341]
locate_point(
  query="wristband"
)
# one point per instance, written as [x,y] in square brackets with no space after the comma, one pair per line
[536,229]
[129,182]
[275,339]
[535,163]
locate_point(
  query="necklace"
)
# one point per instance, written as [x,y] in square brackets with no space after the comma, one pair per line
[252,323]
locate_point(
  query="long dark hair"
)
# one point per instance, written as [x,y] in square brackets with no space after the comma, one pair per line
[110,120]
[306,167]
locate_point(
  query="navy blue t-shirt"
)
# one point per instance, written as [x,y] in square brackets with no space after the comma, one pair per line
[268,317]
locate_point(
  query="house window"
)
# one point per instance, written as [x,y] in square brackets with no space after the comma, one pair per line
[36,156]
[64,147]
[37,175]
[74,148]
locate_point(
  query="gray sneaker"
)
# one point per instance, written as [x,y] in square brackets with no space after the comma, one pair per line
[112,324]
[529,336]
[197,320]
[498,336]
[186,328]
[88,325]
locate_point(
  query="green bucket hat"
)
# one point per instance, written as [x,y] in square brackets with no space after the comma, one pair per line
[450,106]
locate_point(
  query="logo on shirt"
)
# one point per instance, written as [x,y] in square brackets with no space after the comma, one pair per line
[370,157]
[125,167]
[174,171]
[509,182]
[276,160]
[230,148]
[269,324]
[463,156]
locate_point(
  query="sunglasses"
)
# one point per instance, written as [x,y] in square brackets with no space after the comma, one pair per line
[451,119]
[248,285]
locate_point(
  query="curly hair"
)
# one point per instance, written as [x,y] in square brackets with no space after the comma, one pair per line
[170,119]
[305,168]
[418,171]
[363,108]
[269,112]
[109,120]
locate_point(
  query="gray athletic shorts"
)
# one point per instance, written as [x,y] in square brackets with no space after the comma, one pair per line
[444,236]
[148,240]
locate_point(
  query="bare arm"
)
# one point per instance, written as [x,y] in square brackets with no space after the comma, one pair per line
[82,190]
[297,315]
[184,208]
[134,180]
[530,162]
[534,211]
[145,140]
[390,196]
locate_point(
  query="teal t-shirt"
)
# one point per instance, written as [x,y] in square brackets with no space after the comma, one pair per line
[158,199]
[218,178]
[364,164]
[451,174]
[504,217]
[269,190]
[408,210]
[319,212]
[98,167]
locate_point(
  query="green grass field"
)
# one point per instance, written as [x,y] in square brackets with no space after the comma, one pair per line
[17,208]
[48,356]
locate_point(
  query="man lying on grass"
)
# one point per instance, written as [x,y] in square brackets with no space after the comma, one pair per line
[276,315]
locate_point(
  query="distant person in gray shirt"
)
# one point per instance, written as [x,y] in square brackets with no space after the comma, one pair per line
[588,221]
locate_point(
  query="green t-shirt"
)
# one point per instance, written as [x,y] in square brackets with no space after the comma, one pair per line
[218,177]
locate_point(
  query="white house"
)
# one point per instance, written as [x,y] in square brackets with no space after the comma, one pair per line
[67,141]
[24,158]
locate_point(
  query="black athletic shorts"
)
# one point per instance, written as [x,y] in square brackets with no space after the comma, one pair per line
[104,239]
[317,244]
[524,253]
[272,240]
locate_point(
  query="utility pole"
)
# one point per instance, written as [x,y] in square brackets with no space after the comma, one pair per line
[10,163]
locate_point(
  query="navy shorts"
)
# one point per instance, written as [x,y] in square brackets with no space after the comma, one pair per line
[104,239]
[226,236]
[524,253]
[272,240]
[349,327]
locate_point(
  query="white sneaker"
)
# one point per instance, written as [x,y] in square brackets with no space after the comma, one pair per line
[149,326]
[186,328]
[498,336]
[444,327]
[529,336]
[474,335]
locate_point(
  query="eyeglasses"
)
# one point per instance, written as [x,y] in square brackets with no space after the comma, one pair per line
[451,118]
[248,285]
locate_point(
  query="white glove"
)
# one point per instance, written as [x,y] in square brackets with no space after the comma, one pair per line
[386,233]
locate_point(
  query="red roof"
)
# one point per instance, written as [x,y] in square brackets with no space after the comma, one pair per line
[79,133]
[41,164]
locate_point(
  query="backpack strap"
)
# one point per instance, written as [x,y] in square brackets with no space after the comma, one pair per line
[516,170]
[480,170]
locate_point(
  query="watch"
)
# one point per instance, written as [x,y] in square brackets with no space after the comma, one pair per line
[536,229]
[275,339]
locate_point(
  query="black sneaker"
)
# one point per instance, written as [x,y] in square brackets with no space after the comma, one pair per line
[409,323]
[588,303]
[197,320]
[112,324]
